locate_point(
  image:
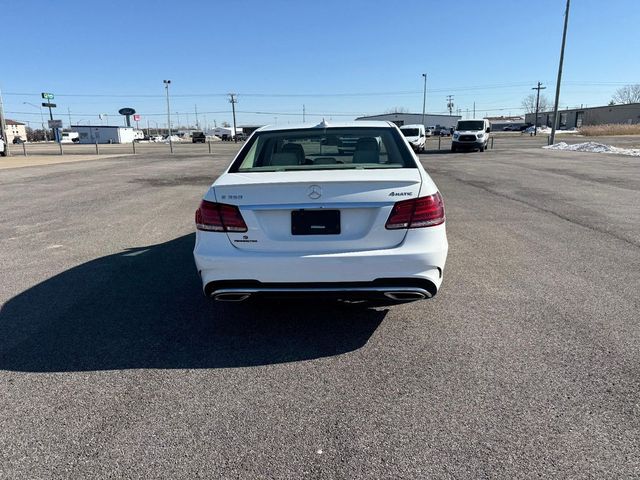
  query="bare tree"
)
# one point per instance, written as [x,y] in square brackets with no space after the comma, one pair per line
[529,103]
[397,110]
[627,94]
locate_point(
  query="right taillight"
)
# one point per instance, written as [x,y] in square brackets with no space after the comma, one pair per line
[219,217]
[417,213]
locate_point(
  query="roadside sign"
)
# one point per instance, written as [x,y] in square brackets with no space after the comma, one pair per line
[47,96]
[55,123]
[136,118]
[50,105]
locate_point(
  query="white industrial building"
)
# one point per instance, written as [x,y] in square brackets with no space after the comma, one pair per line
[104,134]
[430,119]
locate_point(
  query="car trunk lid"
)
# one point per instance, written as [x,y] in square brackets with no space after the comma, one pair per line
[362,198]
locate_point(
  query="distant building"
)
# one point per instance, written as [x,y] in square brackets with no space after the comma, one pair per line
[104,134]
[576,117]
[249,129]
[15,129]
[430,119]
[501,122]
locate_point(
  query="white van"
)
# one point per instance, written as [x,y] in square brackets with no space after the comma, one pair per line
[70,137]
[471,135]
[415,135]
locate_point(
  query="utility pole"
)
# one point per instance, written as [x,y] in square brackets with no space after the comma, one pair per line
[555,107]
[474,109]
[424,98]
[166,87]
[303,114]
[69,113]
[535,121]
[233,100]
[3,126]
[197,123]
[450,103]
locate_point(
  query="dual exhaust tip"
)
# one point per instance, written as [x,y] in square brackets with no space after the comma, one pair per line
[396,295]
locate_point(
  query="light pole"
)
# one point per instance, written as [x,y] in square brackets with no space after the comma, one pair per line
[46,137]
[166,87]
[552,139]
[424,98]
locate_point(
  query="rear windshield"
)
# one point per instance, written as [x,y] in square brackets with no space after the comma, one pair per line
[471,125]
[410,132]
[324,149]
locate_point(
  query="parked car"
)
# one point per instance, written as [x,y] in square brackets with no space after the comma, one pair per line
[293,217]
[440,131]
[17,140]
[471,135]
[198,137]
[415,135]
[3,148]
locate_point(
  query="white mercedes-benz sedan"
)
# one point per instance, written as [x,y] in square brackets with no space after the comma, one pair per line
[295,215]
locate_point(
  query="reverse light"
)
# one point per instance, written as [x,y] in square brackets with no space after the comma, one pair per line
[417,213]
[219,217]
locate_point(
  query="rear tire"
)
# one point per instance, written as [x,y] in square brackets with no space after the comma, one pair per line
[453,149]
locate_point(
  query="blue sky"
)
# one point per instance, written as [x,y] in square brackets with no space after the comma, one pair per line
[340,59]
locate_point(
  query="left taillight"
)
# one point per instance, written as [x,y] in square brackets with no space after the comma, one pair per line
[219,217]
[417,213]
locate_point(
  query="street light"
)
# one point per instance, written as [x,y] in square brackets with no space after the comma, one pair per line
[46,138]
[166,87]
[424,98]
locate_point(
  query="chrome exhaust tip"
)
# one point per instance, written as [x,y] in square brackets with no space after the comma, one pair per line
[231,296]
[405,296]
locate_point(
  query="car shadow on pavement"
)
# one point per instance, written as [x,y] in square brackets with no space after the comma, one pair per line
[143,308]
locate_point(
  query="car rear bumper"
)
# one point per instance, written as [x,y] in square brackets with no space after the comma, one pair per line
[415,266]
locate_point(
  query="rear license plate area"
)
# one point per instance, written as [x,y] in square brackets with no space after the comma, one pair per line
[315,222]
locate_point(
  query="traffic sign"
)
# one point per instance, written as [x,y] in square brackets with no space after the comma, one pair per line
[48,96]
[50,105]
[136,118]
[55,123]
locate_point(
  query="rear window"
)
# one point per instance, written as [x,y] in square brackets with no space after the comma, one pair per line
[324,149]
[410,132]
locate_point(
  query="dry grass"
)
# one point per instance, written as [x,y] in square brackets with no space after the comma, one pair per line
[609,129]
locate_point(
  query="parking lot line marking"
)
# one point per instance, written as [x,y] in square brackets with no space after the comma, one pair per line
[133,254]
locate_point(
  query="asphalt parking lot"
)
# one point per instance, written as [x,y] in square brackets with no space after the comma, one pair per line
[525,365]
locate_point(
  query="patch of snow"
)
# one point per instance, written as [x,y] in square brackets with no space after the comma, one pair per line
[547,130]
[594,148]
[174,139]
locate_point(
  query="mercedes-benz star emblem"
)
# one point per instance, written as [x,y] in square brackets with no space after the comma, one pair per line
[314,192]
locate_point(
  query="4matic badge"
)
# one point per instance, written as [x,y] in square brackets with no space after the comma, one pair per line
[400,194]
